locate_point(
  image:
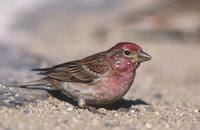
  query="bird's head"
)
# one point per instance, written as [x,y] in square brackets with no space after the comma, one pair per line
[127,52]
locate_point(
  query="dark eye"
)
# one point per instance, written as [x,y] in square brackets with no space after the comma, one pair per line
[127,52]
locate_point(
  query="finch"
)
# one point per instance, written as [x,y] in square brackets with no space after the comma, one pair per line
[99,79]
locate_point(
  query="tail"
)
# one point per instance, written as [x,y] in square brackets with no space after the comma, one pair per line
[41,84]
[42,71]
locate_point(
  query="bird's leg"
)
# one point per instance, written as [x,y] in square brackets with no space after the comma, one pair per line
[82,104]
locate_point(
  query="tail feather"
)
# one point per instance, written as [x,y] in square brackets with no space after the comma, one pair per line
[41,71]
[39,87]
[40,84]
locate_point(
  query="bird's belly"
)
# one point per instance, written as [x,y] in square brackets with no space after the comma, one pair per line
[79,90]
[104,92]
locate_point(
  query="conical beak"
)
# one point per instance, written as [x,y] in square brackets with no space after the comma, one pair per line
[141,57]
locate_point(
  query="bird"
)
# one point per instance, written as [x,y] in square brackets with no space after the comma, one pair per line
[99,79]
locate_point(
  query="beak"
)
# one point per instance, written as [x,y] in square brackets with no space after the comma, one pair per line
[141,57]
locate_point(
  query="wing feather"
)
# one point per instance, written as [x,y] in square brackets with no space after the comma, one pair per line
[82,71]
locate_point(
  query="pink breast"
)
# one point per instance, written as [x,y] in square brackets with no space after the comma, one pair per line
[116,86]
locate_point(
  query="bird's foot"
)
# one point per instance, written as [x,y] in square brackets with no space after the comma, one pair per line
[82,104]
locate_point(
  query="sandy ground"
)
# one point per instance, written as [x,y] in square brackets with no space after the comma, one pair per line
[165,94]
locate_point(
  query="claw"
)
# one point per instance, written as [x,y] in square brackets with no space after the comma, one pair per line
[82,104]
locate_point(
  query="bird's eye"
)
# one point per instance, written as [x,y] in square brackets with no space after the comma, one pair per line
[127,52]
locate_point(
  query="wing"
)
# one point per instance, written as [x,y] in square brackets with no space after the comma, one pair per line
[81,71]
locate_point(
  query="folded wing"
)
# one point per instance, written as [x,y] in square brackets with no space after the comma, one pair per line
[87,70]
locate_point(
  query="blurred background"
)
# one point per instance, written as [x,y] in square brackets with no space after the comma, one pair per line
[41,33]
[53,28]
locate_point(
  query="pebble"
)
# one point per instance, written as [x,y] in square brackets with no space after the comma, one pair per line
[103,110]
[135,110]
[182,114]
[157,113]
[148,125]
[110,124]
[150,108]
[196,110]
[6,101]
[3,86]
[10,88]
[70,109]
[7,94]
[116,114]
[16,95]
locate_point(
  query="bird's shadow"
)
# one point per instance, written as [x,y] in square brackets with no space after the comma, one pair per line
[121,104]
